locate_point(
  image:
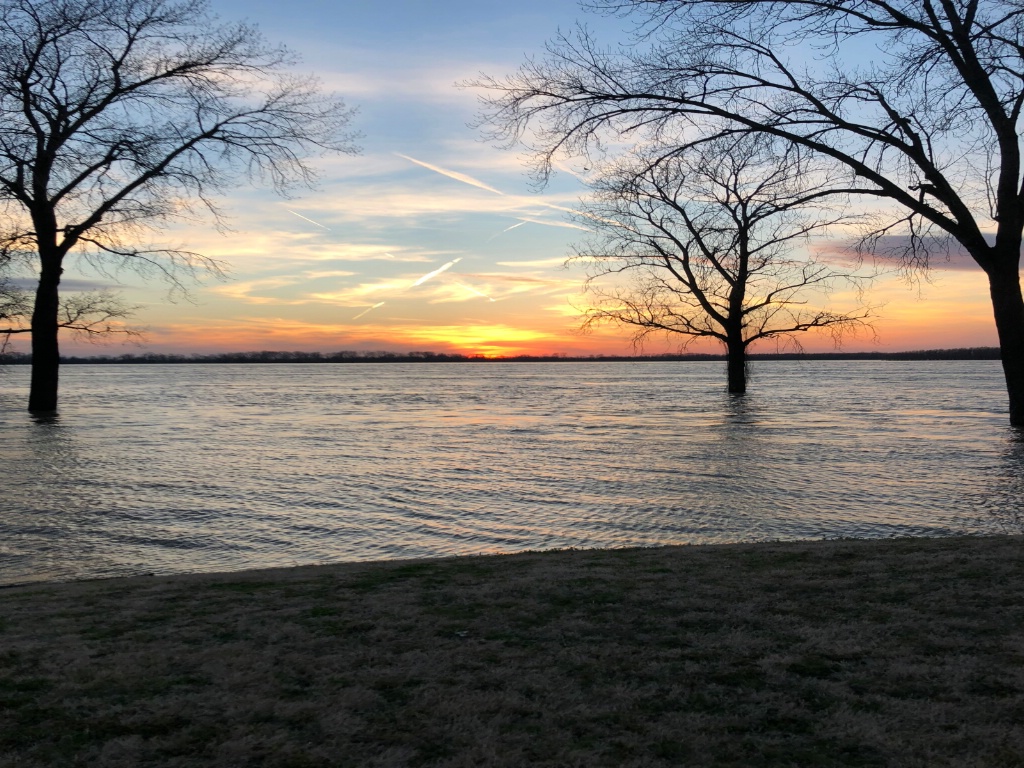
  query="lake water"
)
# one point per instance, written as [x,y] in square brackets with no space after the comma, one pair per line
[162,469]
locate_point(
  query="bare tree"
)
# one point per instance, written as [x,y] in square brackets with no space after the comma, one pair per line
[93,315]
[119,116]
[713,240]
[916,103]
[15,309]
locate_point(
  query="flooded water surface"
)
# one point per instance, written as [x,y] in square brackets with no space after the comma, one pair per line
[162,469]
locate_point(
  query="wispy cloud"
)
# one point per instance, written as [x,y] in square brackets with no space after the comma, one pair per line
[357,295]
[529,284]
[279,250]
[256,291]
[550,223]
[438,271]
[507,229]
[68,284]
[464,178]
[306,218]
[369,309]
[471,289]
[321,274]
[945,254]
[555,261]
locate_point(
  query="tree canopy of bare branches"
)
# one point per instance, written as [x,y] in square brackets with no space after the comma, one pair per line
[718,242]
[916,103]
[119,116]
[94,315]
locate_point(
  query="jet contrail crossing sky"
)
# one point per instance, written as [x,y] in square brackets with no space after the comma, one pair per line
[438,271]
[306,218]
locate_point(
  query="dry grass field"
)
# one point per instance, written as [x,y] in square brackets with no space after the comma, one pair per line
[905,652]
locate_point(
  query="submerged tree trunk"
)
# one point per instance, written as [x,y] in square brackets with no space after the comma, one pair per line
[736,353]
[1008,307]
[45,351]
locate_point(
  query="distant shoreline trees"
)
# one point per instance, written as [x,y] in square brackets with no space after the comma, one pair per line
[120,116]
[348,356]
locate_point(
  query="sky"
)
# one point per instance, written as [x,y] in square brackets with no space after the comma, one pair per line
[432,238]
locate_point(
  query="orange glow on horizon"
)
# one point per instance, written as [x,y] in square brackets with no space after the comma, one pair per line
[252,334]
[953,311]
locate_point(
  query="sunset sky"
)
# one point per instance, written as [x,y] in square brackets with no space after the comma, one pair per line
[343,267]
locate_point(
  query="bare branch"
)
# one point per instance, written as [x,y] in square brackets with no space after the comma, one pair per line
[122,116]
[712,240]
[92,315]
[914,104]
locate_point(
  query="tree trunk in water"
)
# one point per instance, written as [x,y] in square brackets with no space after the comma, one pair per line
[736,354]
[45,351]
[1008,306]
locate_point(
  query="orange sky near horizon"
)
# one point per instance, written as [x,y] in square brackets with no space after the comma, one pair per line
[951,311]
[431,240]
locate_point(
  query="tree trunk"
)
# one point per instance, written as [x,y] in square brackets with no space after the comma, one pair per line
[736,354]
[1008,307]
[45,351]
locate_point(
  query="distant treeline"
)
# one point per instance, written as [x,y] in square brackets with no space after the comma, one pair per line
[970,353]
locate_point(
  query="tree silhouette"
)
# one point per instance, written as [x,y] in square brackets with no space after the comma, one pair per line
[94,315]
[711,238]
[120,116]
[915,103]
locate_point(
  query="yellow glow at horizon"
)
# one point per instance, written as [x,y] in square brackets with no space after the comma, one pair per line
[951,311]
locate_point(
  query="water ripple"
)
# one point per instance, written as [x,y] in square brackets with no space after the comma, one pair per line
[159,469]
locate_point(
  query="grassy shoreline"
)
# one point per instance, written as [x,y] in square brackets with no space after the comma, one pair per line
[896,652]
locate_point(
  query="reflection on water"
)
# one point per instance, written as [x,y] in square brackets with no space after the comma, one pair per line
[188,468]
[1001,502]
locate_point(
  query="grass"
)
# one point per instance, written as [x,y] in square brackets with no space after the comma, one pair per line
[905,652]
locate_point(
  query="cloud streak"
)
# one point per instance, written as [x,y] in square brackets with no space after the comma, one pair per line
[471,289]
[464,178]
[546,223]
[369,309]
[556,261]
[506,229]
[473,182]
[438,271]
[306,218]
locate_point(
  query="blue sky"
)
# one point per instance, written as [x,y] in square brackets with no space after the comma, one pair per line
[342,267]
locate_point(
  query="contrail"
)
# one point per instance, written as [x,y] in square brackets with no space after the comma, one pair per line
[577,212]
[471,289]
[466,179]
[556,207]
[306,218]
[506,229]
[438,271]
[566,224]
[452,174]
[378,304]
